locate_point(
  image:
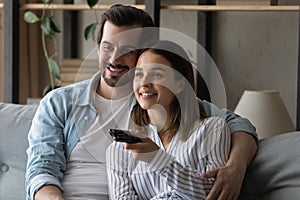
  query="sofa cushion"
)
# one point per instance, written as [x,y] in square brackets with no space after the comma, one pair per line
[274,174]
[15,121]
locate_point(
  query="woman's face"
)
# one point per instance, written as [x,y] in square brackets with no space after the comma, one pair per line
[154,81]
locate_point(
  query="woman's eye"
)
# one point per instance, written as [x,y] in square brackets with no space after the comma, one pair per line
[157,75]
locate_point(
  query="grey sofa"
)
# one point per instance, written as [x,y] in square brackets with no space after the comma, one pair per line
[273,175]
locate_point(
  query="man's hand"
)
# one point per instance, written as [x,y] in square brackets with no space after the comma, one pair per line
[228,182]
[48,192]
[229,178]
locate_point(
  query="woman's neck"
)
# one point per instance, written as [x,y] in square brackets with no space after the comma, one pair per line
[159,117]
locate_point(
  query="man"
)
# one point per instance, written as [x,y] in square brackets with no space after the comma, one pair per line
[68,137]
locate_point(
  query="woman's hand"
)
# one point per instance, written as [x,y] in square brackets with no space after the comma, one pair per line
[143,151]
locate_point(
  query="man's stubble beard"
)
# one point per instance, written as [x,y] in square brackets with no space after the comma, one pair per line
[116,81]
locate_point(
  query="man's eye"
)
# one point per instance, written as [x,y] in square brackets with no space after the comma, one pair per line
[138,75]
[107,48]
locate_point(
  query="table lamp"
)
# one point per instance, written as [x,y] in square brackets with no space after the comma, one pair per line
[266,111]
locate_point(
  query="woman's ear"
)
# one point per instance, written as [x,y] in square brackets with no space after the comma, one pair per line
[180,85]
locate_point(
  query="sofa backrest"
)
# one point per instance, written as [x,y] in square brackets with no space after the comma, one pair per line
[15,121]
[274,174]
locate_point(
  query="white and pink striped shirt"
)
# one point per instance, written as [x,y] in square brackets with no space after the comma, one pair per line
[174,172]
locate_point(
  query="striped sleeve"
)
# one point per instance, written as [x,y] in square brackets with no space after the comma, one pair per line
[118,167]
[210,149]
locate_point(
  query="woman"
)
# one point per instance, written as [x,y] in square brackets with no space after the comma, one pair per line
[181,143]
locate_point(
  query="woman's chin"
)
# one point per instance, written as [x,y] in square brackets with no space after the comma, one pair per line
[145,107]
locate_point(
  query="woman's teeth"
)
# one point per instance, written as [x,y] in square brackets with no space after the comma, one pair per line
[147,94]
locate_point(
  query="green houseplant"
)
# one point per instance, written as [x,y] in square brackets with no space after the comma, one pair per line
[50,28]
[89,31]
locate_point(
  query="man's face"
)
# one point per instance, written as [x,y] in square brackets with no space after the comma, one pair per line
[117,53]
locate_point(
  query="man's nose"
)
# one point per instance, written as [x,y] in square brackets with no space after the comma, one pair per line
[115,57]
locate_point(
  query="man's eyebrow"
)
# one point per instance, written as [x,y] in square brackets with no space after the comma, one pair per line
[123,47]
[106,42]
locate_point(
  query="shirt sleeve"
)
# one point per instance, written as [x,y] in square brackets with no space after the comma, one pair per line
[210,150]
[46,160]
[118,168]
[235,122]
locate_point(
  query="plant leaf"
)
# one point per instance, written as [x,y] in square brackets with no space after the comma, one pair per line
[30,17]
[89,31]
[54,68]
[47,1]
[54,25]
[46,27]
[91,3]
[47,89]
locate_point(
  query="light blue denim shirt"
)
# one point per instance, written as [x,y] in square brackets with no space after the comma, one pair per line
[62,117]
[234,121]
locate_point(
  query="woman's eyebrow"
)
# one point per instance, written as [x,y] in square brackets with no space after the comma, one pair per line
[152,69]
[158,68]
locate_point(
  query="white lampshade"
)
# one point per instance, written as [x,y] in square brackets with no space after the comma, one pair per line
[266,111]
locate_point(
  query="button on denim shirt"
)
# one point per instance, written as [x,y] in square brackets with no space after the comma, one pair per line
[63,116]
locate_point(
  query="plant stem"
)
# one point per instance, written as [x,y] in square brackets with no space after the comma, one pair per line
[95,13]
[47,59]
[46,51]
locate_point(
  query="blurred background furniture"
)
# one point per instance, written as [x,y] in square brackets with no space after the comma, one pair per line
[75,70]
[266,110]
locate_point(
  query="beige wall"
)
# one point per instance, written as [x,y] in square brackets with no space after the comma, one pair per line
[256,51]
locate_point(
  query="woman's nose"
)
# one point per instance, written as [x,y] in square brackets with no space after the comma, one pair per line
[146,85]
[146,81]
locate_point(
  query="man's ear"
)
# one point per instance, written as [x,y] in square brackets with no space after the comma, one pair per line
[180,85]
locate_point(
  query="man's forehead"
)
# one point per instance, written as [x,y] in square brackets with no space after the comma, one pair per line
[122,40]
[121,35]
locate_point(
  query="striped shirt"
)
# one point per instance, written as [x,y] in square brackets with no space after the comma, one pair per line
[174,172]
